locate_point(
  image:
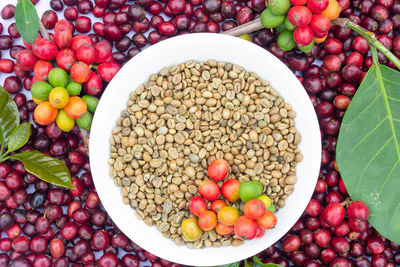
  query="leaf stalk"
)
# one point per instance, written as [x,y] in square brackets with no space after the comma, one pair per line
[370,37]
[43,32]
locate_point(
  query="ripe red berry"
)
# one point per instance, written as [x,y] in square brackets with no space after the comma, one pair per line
[291,243]
[332,215]
[298,2]
[303,35]
[357,210]
[300,16]
[44,49]
[107,70]
[65,59]
[317,6]
[86,53]
[320,24]
[218,169]
[80,72]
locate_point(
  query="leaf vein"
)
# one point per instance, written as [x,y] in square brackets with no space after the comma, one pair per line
[390,81]
[388,110]
[395,99]
[371,160]
[394,215]
[388,176]
[365,109]
[366,136]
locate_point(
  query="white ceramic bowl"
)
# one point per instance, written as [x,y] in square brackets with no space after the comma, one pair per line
[201,47]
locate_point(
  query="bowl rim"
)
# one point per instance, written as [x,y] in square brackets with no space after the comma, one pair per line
[98,125]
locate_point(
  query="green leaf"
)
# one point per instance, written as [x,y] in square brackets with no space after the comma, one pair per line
[44,167]
[234,264]
[258,263]
[246,264]
[27,20]
[19,137]
[368,151]
[9,116]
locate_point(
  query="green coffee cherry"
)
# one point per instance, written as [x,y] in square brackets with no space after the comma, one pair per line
[85,121]
[58,77]
[41,90]
[74,88]
[285,41]
[269,20]
[278,7]
[91,102]
[307,48]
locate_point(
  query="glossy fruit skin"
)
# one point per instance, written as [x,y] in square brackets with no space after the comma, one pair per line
[317,6]
[41,90]
[300,16]
[65,59]
[74,88]
[332,215]
[332,63]
[80,72]
[375,245]
[207,220]
[79,40]
[63,24]
[303,36]
[41,70]
[58,77]
[254,209]
[197,205]
[322,237]
[217,205]
[333,10]
[291,243]
[266,200]
[357,210]
[298,2]
[269,20]
[63,37]
[267,221]
[209,190]
[218,170]
[250,190]
[320,24]
[341,102]
[26,59]
[93,86]
[320,40]
[44,49]
[86,53]
[278,7]
[313,208]
[103,51]
[223,229]
[107,70]
[228,215]
[285,41]
[76,107]
[191,230]
[245,228]
[91,102]
[64,122]
[45,113]
[230,190]
[58,97]
[6,65]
